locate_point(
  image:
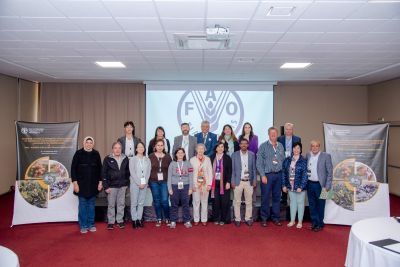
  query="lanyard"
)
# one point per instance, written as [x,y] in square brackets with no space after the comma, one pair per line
[180,169]
[141,163]
[159,164]
[219,162]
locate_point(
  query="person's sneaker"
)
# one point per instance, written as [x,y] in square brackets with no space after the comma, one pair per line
[188,225]
[110,226]
[172,225]
[167,222]
[221,223]
[237,223]
[216,223]
[264,223]
[277,223]
[84,231]
[158,223]
[93,229]
[121,225]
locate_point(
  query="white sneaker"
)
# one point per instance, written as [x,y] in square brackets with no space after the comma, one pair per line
[172,225]
[188,225]
[84,231]
[290,224]
[93,229]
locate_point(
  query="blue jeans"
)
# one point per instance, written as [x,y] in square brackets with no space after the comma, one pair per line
[274,186]
[86,212]
[159,191]
[316,205]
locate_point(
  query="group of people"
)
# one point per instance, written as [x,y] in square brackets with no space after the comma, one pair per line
[202,166]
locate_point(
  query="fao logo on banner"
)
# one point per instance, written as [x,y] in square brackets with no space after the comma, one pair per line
[217,107]
[24,130]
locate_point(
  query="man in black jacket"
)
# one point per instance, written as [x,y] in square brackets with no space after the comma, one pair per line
[115,182]
[85,172]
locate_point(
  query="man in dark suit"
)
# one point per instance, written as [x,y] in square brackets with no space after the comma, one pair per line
[186,141]
[208,139]
[320,174]
[287,140]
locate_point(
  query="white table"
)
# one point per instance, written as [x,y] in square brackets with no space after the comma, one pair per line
[361,253]
[8,258]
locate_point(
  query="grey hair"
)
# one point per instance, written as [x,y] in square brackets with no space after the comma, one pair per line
[116,143]
[288,124]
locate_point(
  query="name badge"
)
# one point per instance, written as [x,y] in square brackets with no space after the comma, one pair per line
[246,175]
[160,176]
[274,161]
[180,185]
[218,176]
[200,179]
[287,154]
[142,181]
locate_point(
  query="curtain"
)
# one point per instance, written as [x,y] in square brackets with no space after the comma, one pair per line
[101,108]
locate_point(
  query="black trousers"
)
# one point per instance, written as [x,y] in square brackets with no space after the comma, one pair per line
[221,206]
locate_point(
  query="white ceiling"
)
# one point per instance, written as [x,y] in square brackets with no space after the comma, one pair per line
[348,42]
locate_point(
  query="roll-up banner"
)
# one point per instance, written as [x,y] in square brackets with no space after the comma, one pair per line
[359,157]
[44,191]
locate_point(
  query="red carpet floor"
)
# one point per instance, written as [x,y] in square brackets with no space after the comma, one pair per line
[60,244]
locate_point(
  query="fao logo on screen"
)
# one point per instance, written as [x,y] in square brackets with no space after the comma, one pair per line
[217,107]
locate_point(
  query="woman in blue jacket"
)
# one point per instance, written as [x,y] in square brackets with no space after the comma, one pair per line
[294,181]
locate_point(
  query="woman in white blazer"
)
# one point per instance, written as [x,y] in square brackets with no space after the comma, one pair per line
[202,179]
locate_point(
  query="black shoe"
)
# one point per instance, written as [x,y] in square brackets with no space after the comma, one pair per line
[121,225]
[110,226]
[140,222]
[317,229]
[249,222]
[135,224]
[277,223]
[264,223]
[237,224]
[313,227]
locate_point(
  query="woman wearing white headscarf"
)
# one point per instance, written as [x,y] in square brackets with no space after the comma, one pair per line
[85,172]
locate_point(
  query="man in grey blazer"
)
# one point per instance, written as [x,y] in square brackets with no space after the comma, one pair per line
[243,179]
[186,141]
[320,173]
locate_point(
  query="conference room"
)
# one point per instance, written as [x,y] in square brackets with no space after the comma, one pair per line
[200,132]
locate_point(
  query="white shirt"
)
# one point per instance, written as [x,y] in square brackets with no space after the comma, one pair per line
[185,144]
[312,166]
[129,147]
[244,157]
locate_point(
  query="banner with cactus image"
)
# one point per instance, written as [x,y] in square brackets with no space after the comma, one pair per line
[43,188]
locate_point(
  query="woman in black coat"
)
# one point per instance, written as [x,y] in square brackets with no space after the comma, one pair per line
[221,184]
[85,173]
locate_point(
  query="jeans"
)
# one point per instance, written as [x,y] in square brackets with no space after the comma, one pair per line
[182,196]
[273,186]
[316,205]
[297,205]
[159,191]
[86,212]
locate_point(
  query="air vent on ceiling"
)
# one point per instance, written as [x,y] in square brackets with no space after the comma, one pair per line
[200,42]
[281,11]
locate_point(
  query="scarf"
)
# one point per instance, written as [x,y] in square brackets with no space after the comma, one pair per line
[221,181]
[200,172]
[84,141]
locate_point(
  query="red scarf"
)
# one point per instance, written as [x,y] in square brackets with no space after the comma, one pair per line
[221,181]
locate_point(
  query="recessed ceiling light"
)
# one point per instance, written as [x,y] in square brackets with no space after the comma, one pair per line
[280,11]
[110,64]
[295,65]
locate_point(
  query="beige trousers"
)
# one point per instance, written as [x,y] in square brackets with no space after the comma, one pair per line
[248,197]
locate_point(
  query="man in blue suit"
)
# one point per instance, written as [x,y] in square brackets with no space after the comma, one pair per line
[287,140]
[208,139]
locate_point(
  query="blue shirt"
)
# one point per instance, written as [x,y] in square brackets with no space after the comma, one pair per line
[269,158]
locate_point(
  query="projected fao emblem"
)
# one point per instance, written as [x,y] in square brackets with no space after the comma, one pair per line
[217,107]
